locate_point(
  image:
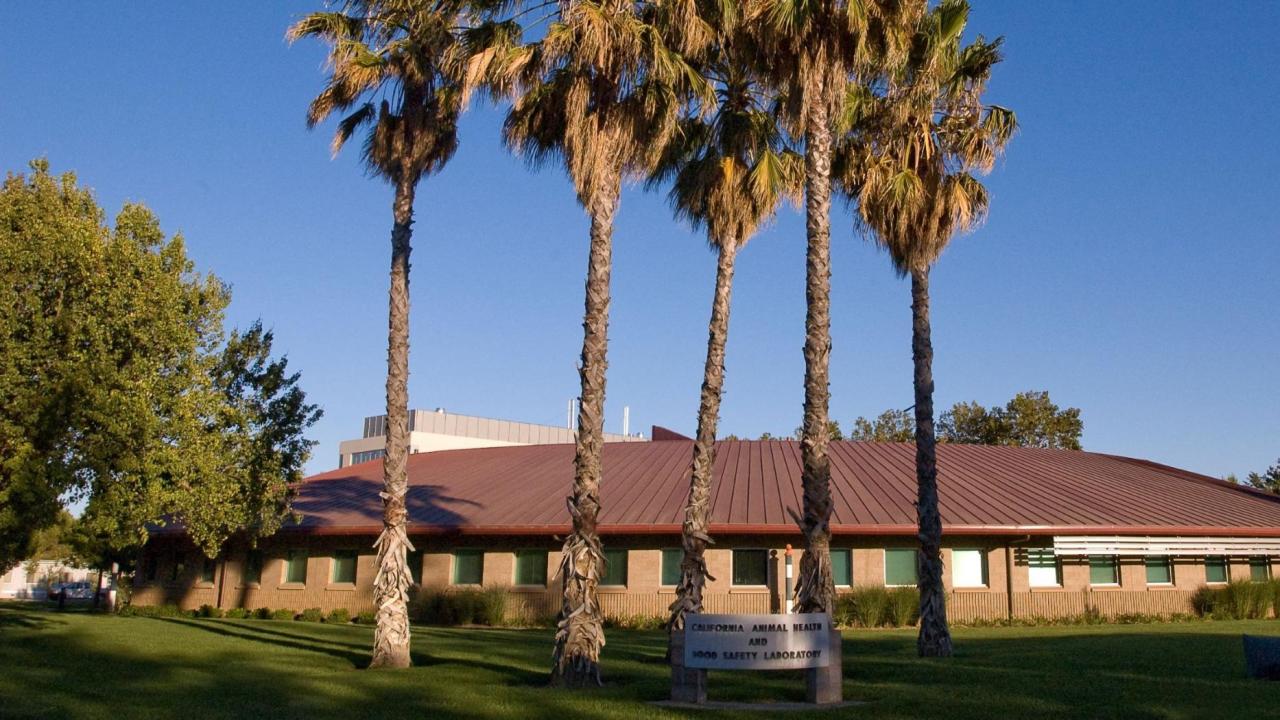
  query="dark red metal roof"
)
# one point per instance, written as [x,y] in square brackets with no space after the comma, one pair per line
[983,490]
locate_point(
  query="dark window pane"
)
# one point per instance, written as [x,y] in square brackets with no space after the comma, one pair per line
[750,567]
[468,567]
[1103,570]
[1159,570]
[842,566]
[1259,569]
[900,566]
[1215,569]
[615,567]
[671,559]
[414,559]
[208,570]
[344,567]
[295,566]
[531,567]
[253,567]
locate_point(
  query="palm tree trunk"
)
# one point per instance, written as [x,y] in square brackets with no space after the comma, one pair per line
[580,628]
[815,588]
[391,585]
[934,639]
[696,532]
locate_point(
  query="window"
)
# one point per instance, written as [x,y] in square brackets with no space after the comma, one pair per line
[900,566]
[969,568]
[177,567]
[343,567]
[750,567]
[842,566]
[615,568]
[1043,568]
[468,567]
[414,561]
[366,456]
[671,559]
[1104,570]
[153,567]
[295,566]
[253,567]
[1159,570]
[1215,569]
[208,570]
[531,567]
[1259,569]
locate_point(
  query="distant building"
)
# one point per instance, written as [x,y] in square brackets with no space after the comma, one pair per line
[30,579]
[430,431]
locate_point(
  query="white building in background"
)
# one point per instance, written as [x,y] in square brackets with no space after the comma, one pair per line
[430,431]
[30,580]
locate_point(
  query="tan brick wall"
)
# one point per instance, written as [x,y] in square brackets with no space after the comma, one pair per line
[644,594]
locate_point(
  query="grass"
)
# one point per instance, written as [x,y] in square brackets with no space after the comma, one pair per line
[79,665]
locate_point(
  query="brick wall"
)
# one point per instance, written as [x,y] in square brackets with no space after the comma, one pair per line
[644,593]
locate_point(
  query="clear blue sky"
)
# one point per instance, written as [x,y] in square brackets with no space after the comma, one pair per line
[1128,267]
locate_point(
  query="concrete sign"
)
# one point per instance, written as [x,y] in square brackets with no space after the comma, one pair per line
[757,642]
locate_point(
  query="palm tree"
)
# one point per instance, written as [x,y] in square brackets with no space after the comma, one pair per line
[813,48]
[391,75]
[912,167]
[601,92]
[730,168]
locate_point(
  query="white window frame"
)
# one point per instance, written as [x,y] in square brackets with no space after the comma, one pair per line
[885,565]
[1173,577]
[1226,570]
[1115,565]
[850,583]
[984,569]
[1057,569]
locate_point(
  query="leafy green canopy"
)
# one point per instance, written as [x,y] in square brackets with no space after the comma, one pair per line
[116,386]
[1030,419]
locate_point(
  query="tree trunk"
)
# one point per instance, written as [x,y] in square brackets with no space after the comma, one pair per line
[815,588]
[391,585]
[697,511]
[580,627]
[935,638]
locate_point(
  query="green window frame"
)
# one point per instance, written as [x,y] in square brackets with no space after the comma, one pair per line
[252,568]
[342,567]
[1215,569]
[842,566]
[751,567]
[1104,570]
[468,567]
[208,570]
[414,560]
[615,568]
[900,567]
[1259,568]
[671,559]
[1159,569]
[531,567]
[295,567]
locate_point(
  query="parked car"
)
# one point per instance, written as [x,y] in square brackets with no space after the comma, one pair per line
[82,590]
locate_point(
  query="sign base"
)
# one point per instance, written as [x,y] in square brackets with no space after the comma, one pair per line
[825,685]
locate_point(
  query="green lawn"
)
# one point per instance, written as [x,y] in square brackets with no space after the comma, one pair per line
[77,665]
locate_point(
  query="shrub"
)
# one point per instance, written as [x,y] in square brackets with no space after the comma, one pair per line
[866,606]
[367,617]
[338,616]
[635,622]
[904,606]
[282,614]
[1204,601]
[311,615]
[209,611]
[237,614]
[433,606]
[262,614]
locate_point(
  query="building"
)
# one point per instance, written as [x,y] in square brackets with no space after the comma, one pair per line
[1027,532]
[31,579]
[430,431]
